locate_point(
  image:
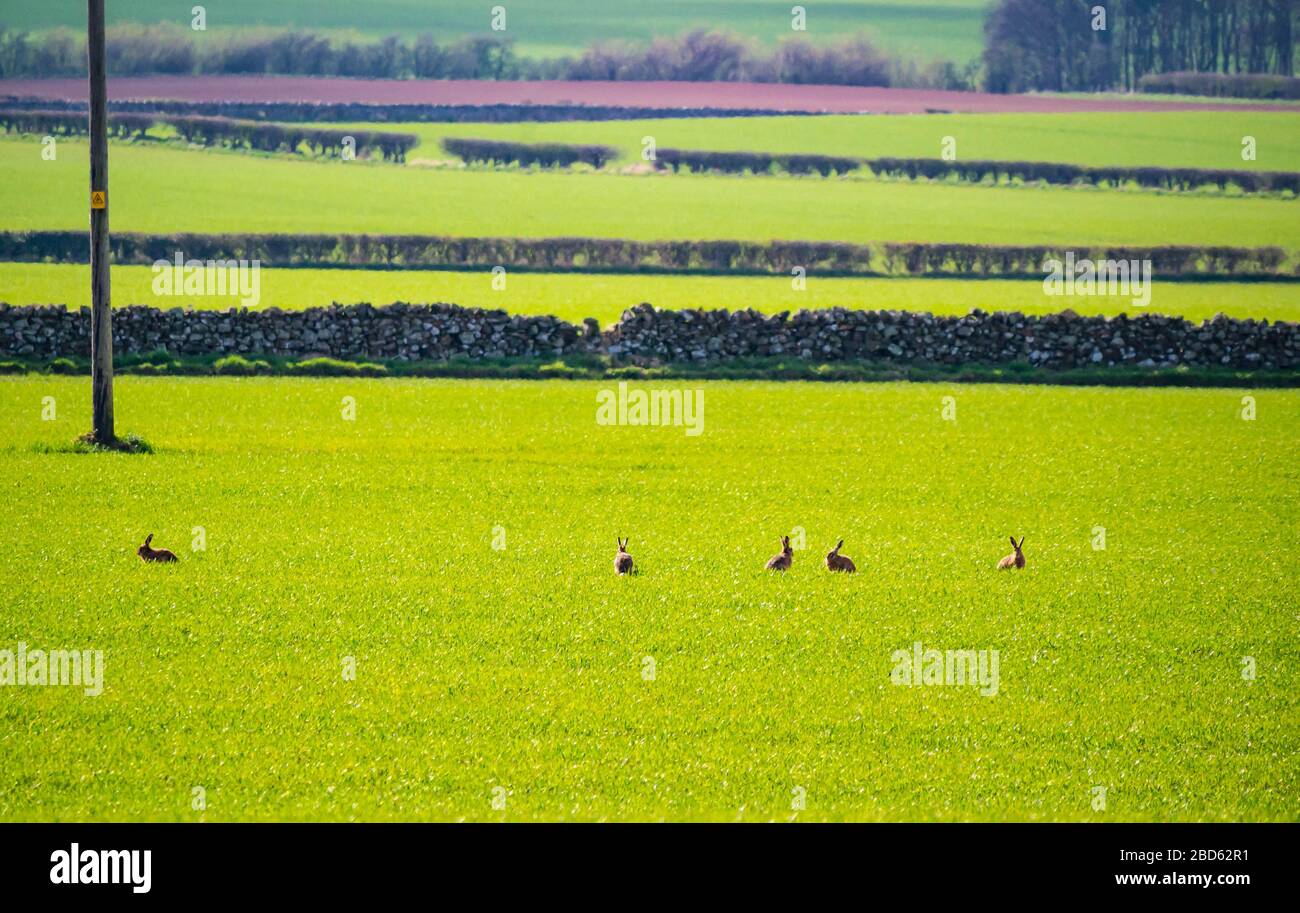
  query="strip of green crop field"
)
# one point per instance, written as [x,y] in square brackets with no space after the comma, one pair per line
[573,296]
[1192,139]
[164,190]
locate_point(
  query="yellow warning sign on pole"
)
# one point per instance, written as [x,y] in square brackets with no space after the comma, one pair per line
[97,199]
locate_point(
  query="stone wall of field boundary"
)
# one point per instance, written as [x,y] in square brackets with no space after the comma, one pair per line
[643,335]
[398,331]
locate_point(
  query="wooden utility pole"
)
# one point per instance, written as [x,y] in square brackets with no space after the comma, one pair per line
[101,317]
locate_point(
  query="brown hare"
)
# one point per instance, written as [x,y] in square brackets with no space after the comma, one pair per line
[148,553]
[782,561]
[837,562]
[622,560]
[1016,559]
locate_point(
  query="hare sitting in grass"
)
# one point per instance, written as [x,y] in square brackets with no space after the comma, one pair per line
[1016,559]
[147,553]
[837,562]
[782,561]
[622,560]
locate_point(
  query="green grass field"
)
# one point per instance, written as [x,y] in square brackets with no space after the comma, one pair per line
[935,28]
[168,189]
[576,296]
[1191,139]
[523,668]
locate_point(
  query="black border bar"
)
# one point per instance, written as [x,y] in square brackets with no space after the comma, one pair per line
[332,861]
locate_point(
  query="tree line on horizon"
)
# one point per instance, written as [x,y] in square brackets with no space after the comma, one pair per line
[702,55]
[1044,45]
[1068,45]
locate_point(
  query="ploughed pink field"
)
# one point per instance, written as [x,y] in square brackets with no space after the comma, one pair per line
[726,95]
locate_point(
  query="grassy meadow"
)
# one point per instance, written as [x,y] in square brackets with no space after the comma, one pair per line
[574,296]
[167,189]
[526,667]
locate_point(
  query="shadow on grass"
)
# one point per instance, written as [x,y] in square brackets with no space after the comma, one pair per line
[590,366]
[132,443]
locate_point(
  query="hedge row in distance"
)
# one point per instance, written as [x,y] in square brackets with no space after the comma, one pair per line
[547,155]
[628,256]
[62,123]
[976,170]
[269,137]
[216,131]
[754,162]
[354,112]
[1114,176]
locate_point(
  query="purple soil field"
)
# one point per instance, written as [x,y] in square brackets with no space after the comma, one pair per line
[726,95]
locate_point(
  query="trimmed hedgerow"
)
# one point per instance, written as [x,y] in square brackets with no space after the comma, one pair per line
[547,155]
[218,131]
[269,137]
[628,256]
[976,170]
[754,162]
[353,112]
[68,123]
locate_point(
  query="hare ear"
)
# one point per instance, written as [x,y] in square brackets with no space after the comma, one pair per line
[1022,542]
[148,539]
[625,542]
[839,545]
[1013,541]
